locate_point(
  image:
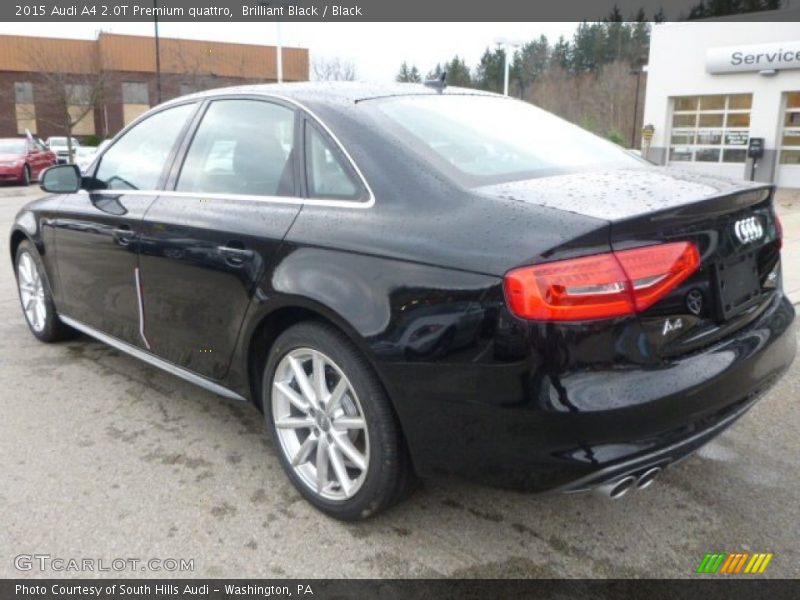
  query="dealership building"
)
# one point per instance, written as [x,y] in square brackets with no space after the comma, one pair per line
[104,84]
[712,87]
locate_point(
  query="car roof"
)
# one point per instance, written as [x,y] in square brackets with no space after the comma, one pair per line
[334,92]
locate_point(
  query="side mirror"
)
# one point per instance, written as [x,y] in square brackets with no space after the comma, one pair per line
[61,179]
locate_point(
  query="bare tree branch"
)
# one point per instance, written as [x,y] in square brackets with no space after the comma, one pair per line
[333,69]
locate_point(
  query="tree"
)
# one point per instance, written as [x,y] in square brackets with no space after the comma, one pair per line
[560,55]
[71,96]
[435,73]
[458,73]
[491,70]
[718,8]
[333,69]
[408,74]
[589,50]
[530,63]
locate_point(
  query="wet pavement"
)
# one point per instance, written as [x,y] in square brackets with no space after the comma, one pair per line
[104,457]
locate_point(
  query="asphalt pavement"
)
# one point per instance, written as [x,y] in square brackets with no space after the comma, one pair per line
[104,458]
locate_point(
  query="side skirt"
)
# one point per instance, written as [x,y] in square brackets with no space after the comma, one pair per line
[151,359]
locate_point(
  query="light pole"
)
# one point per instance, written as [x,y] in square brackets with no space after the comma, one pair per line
[638,73]
[158,53]
[278,46]
[280,51]
[507,45]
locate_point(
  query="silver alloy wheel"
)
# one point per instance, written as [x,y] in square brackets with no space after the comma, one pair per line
[31,291]
[320,424]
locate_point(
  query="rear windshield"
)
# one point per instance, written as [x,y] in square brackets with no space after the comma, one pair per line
[12,146]
[488,139]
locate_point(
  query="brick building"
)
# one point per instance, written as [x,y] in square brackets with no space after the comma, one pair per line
[104,84]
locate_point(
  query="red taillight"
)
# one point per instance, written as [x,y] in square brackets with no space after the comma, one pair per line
[600,286]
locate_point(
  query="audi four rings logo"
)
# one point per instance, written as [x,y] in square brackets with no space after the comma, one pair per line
[748,230]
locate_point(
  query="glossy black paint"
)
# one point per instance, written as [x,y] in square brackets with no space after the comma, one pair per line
[415,281]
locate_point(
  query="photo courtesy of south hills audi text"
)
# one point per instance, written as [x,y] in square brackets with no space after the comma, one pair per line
[159,590]
[408,299]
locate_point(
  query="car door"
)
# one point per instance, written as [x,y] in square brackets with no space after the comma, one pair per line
[33,157]
[42,157]
[97,231]
[209,240]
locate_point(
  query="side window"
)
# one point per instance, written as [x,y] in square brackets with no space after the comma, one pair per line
[137,159]
[241,147]
[326,175]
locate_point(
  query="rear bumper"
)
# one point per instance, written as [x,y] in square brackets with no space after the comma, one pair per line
[513,426]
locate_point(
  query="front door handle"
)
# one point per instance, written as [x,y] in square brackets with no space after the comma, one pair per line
[123,235]
[235,256]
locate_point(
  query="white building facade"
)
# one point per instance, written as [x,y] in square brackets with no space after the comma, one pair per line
[711,86]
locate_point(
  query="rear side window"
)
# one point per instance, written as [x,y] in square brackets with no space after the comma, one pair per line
[241,147]
[327,175]
[137,159]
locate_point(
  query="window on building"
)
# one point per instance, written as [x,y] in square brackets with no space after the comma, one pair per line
[24,107]
[135,100]
[790,138]
[78,97]
[714,128]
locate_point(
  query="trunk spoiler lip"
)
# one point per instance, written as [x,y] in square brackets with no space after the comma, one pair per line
[714,205]
[619,195]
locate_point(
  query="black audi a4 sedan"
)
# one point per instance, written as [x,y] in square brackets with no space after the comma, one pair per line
[413,281]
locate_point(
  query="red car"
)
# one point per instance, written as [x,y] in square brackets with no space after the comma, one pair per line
[22,160]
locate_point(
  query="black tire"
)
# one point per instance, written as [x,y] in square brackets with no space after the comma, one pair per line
[389,476]
[54,330]
[26,176]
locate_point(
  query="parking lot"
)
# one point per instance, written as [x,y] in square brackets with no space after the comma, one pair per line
[104,457]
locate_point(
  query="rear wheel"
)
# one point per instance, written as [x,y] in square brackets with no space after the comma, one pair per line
[36,298]
[336,434]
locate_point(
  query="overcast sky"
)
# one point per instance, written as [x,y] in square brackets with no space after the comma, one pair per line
[376,49]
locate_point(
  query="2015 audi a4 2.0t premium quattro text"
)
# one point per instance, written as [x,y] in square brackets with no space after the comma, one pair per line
[417,281]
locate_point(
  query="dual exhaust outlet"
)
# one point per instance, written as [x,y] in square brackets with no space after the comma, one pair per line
[618,488]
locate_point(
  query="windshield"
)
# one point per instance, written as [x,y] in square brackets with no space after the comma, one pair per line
[12,146]
[489,139]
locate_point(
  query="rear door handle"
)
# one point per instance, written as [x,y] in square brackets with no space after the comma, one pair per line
[235,256]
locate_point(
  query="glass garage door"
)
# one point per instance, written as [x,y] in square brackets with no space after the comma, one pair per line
[710,133]
[789,156]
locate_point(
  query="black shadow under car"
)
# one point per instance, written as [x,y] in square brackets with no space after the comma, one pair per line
[414,282]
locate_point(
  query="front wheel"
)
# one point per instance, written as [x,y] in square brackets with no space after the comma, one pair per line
[336,435]
[36,298]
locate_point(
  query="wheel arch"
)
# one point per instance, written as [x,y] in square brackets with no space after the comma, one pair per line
[269,325]
[17,237]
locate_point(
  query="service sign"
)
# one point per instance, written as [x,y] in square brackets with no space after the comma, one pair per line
[758,57]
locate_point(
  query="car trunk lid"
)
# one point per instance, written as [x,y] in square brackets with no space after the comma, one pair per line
[733,225]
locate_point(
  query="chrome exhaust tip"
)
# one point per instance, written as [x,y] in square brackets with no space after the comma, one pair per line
[647,478]
[617,489]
